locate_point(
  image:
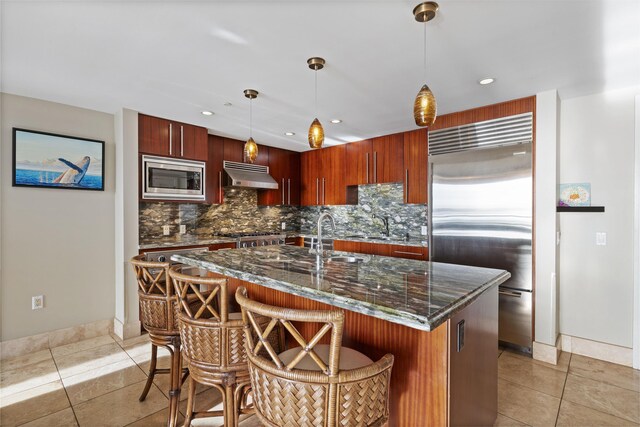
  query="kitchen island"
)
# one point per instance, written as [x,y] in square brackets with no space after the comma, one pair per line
[440,321]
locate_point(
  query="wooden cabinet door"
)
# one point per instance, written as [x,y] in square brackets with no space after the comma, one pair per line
[333,190]
[375,248]
[263,155]
[347,246]
[309,179]
[276,158]
[192,142]
[359,163]
[153,135]
[214,170]
[409,252]
[415,166]
[233,150]
[292,175]
[388,158]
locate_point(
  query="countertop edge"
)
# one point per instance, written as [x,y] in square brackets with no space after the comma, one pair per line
[407,319]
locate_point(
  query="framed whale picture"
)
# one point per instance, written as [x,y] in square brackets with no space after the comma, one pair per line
[49,160]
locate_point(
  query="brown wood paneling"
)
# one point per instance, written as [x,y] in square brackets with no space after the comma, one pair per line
[194,142]
[418,395]
[333,190]
[214,169]
[409,252]
[222,246]
[263,155]
[347,246]
[359,163]
[415,166]
[474,369]
[153,135]
[233,150]
[388,158]
[309,181]
[488,112]
[293,178]
[276,165]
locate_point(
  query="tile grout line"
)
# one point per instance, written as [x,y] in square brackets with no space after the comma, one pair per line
[566,377]
[64,388]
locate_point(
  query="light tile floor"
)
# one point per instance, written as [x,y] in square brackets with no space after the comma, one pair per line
[97,382]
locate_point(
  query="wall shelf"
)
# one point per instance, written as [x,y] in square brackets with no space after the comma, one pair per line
[580,209]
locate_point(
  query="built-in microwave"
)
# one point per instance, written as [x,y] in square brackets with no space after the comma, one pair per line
[173,179]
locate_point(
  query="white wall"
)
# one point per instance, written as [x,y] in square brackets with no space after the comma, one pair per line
[596,282]
[58,243]
[546,324]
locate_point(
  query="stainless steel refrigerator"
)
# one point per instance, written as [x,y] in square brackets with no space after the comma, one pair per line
[480,214]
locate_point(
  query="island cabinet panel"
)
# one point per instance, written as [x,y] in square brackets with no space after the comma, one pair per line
[169,138]
[384,249]
[409,252]
[215,194]
[415,166]
[387,158]
[358,163]
[419,378]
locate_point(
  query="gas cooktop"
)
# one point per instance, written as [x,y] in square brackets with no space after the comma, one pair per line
[250,234]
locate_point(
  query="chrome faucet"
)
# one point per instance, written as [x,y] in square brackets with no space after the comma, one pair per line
[385,222]
[323,215]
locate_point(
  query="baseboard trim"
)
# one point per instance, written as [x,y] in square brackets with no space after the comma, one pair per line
[126,330]
[545,352]
[597,350]
[47,340]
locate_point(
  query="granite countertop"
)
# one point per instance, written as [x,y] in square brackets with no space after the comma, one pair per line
[177,241]
[392,240]
[418,294]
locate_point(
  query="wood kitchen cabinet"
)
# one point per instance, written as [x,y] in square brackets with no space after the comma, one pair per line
[323,177]
[215,193]
[169,138]
[383,249]
[415,166]
[375,161]
[233,150]
[284,167]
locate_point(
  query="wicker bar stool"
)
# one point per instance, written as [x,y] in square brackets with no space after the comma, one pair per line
[314,384]
[158,314]
[213,345]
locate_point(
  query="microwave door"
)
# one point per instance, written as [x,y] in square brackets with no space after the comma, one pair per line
[169,179]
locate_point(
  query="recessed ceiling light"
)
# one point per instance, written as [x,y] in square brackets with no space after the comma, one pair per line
[207,113]
[486,81]
[289,133]
[336,121]
[228,104]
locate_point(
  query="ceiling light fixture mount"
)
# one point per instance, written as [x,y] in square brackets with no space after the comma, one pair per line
[336,121]
[289,133]
[207,113]
[250,147]
[424,106]
[487,81]
[316,132]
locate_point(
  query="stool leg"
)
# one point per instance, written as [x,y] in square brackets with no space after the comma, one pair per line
[229,405]
[152,372]
[188,416]
[174,391]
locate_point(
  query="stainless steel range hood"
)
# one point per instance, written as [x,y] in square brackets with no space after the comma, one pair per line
[245,175]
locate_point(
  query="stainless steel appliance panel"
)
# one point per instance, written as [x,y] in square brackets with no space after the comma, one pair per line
[481,210]
[173,179]
[515,317]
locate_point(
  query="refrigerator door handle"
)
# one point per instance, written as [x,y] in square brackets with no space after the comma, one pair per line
[514,294]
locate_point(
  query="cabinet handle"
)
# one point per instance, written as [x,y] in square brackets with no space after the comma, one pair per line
[170,139]
[367,168]
[317,190]
[323,199]
[408,253]
[406,186]
[375,166]
[220,187]
[181,141]
[510,293]
[283,191]
[289,190]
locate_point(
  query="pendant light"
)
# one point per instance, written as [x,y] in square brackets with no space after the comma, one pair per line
[250,147]
[424,107]
[316,132]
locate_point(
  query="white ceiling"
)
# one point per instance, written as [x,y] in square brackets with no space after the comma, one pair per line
[173,59]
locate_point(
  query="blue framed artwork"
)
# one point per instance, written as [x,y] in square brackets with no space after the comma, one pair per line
[578,194]
[49,160]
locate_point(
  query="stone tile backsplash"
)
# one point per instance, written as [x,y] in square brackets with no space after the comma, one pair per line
[240,213]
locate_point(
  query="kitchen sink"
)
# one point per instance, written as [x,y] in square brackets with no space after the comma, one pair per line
[368,237]
[346,259]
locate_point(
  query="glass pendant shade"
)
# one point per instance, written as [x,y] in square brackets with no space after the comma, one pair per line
[250,150]
[424,107]
[316,134]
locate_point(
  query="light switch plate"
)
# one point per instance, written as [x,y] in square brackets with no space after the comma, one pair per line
[166,230]
[183,228]
[601,238]
[423,230]
[284,225]
[37,302]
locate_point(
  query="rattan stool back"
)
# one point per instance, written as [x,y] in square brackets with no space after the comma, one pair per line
[286,396]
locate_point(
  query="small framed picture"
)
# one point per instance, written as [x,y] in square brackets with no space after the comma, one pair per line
[577,194]
[49,160]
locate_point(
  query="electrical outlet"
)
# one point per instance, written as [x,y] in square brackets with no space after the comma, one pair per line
[166,230]
[284,225]
[37,302]
[601,239]
[183,228]
[423,230]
